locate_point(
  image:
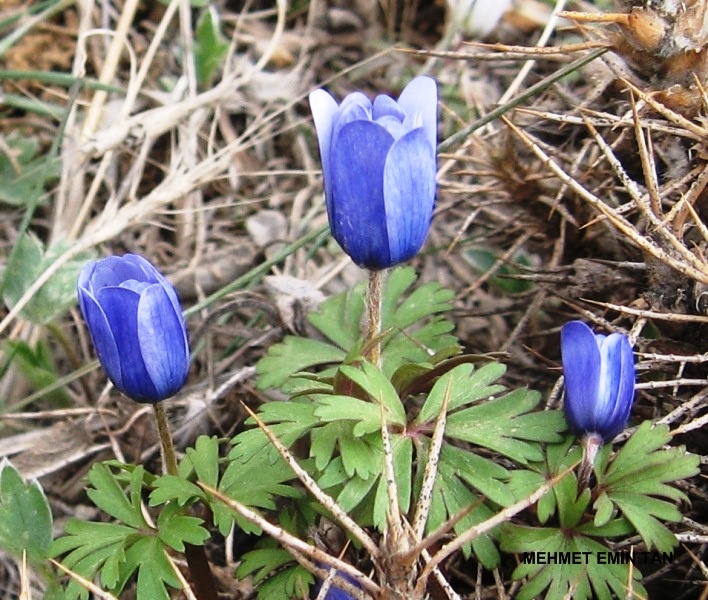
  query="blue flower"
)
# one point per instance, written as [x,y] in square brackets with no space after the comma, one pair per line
[378,165]
[136,324]
[599,380]
[335,593]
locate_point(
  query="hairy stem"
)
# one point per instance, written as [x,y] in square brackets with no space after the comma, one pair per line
[197,562]
[372,344]
[591,444]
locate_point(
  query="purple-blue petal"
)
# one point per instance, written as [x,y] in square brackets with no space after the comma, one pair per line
[394,127]
[324,112]
[149,273]
[102,336]
[84,281]
[163,341]
[355,107]
[613,412]
[114,270]
[335,593]
[419,101]
[385,106]
[356,208]
[161,280]
[409,194]
[581,371]
[359,100]
[120,306]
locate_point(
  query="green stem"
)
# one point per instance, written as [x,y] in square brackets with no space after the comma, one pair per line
[197,562]
[372,343]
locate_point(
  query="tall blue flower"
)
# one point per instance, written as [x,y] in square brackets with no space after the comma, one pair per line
[599,380]
[136,324]
[378,164]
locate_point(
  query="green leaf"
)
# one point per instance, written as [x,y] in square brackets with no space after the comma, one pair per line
[109,496]
[25,516]
[294,354]
[571,504]
[402,311]
[339,318]
[86,537]
[604,510]
[333,409]
[93,548]
[27,262]
[636,479]
[204,458]
[173,488]
[23,174]
[402,449]
[148,557]
[354,490]
[210,45]
[288,421]
[263,565]
[291,582]
[37,366]
[484,475]
[175,529]
[253,480]
[636,450]
[359,455]
[456,498]
[114,552]
[262,562]
[379,387]
[505,425]
[462,385]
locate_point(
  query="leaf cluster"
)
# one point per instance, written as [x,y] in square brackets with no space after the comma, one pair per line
[130,545]
[339,413]
[631,495]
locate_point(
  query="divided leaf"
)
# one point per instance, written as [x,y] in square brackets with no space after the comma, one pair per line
[635,481]
[411,324]
[507,425]
[114,552]
[575,571]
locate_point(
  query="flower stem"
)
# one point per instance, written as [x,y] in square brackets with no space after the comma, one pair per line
[197,562]
[372,343]
[169,458]
[591,444]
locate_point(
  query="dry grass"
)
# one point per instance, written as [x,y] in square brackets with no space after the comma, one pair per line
[588,194]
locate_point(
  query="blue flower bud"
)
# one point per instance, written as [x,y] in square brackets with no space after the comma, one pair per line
[599,380]
[136,324]
[335,593]
[378,165]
